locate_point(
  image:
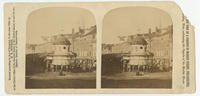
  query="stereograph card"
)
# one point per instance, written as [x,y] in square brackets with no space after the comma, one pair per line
[98,47]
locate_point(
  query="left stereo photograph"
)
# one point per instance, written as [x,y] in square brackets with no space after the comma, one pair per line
[60,48]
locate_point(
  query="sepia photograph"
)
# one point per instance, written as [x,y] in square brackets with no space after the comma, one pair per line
[60,48]
[98,48]
[137,47]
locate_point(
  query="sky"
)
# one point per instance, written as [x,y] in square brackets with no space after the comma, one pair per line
[132,20]
[58,20]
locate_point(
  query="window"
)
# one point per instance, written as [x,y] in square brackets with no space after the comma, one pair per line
[64,47]
[141,47]
[136,48]
[93,36]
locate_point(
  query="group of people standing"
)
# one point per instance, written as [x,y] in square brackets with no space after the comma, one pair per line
[75,65]
[157,65]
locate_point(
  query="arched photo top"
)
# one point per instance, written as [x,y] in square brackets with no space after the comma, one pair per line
[126,21]
[56,20]
[137,41]
[55,37]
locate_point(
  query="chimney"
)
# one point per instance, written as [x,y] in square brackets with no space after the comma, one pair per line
[72,30]
[149,30]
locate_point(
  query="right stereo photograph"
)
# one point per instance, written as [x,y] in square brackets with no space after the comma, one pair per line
[137,47]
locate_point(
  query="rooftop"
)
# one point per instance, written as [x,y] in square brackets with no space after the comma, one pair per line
[138,40]
[61,40]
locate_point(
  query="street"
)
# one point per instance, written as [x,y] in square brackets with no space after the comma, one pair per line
[53,80]
[137,83]
[130,80]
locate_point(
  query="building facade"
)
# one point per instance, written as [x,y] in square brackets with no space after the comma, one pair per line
[138,57]
[61,57]
[68,51]
[159,43]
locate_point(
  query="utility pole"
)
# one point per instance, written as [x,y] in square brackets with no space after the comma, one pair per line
[73,39]
[150,39]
